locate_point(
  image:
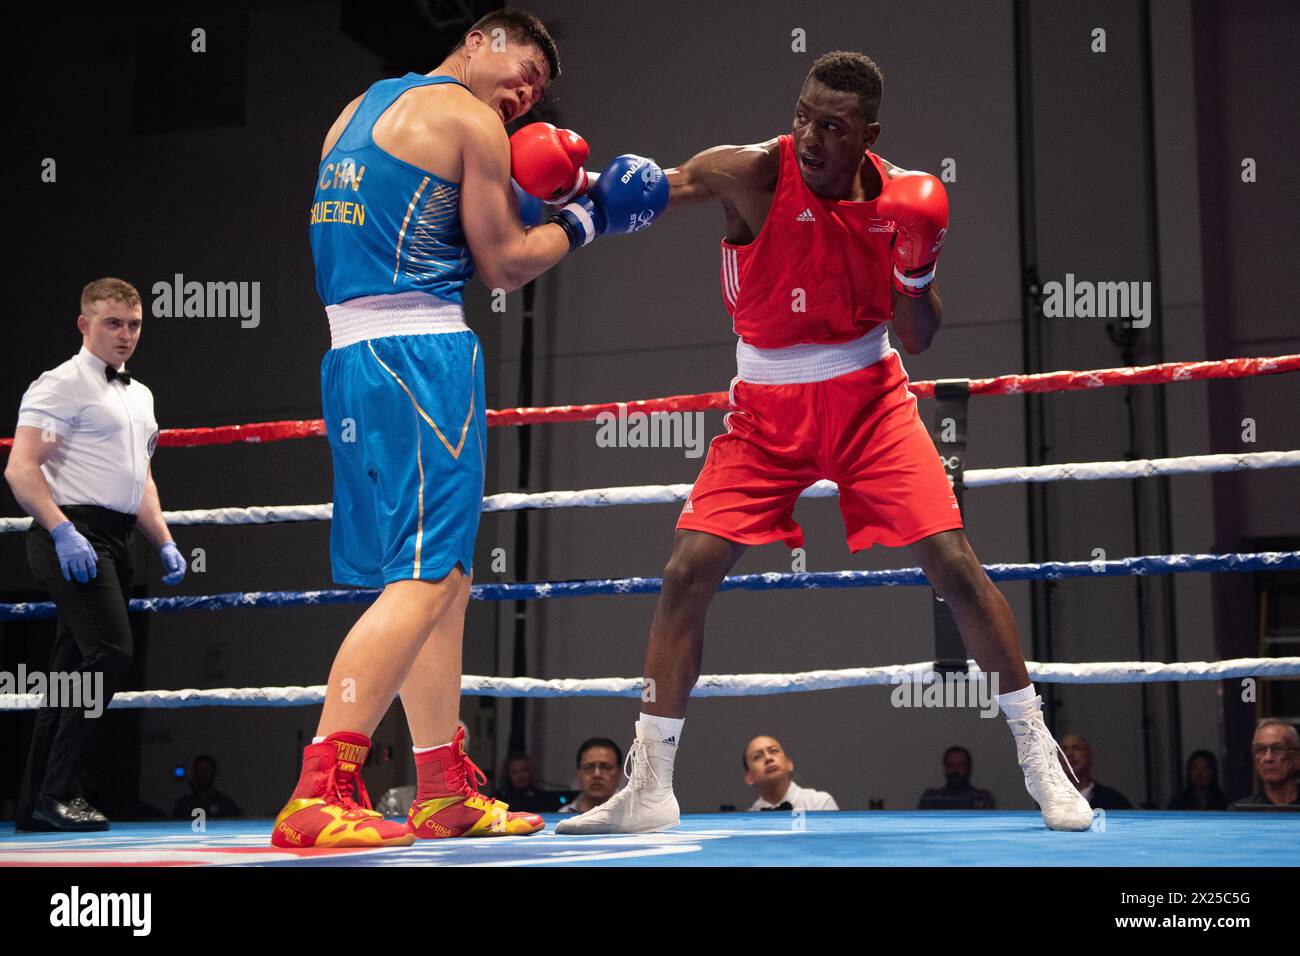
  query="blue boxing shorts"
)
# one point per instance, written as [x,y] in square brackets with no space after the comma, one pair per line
[407,431]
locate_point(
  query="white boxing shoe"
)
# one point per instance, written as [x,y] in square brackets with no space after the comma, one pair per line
[645,805]
[1063,806]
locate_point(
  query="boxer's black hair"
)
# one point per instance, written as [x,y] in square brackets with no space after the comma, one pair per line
[522,27]
[600,742]
[851,73]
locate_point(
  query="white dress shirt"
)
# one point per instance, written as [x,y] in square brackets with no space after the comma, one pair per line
[800,799]
[107,429]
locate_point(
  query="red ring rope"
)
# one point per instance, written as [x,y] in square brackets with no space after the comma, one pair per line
[1041,382]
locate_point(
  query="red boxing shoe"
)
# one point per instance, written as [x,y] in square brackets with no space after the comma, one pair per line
[323,812]
[447,803]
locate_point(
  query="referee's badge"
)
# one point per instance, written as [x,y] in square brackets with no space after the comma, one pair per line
[153,442]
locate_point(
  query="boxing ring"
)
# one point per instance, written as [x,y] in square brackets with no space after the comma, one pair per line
[878,838]
[875,838]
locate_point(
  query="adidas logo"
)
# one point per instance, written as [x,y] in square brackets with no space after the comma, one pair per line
[671,740]
[806,216]
[689,509]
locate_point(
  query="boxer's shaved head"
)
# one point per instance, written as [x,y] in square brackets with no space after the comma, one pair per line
[854,73]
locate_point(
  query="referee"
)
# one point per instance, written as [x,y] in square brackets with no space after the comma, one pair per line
[80,467]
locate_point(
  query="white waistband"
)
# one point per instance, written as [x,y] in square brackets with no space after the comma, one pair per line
[404,313]
[810,363]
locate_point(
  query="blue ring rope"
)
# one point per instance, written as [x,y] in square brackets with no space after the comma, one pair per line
[768,581]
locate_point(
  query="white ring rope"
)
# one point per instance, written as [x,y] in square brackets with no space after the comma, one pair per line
[716,685]
[669,494]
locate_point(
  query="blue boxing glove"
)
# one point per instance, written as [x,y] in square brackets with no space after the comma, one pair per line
[173,561]
[77,557]
[531,210]
[625,198]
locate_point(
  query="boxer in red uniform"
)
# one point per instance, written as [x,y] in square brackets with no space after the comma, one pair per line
[826,244]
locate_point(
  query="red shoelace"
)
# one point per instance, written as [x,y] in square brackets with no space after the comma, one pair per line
[469,771]
[344,780]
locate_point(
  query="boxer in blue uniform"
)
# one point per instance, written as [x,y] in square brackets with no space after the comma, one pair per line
[413,196]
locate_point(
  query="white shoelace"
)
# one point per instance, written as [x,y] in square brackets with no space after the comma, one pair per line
[637,770]
[1037,758]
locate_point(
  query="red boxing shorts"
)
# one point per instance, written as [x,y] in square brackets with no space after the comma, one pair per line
[860,429]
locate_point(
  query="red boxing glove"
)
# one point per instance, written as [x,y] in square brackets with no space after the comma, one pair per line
[547,162]
[918,205]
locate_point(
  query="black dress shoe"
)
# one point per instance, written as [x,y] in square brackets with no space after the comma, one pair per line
[79,803]
[62,815]
[31,826]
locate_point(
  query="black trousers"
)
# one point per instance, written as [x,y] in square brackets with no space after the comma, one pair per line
[93,635]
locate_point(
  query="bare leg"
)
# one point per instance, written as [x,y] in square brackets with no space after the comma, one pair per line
[379,651]
[698,564]
[989,632]
[987,626]
[431,692]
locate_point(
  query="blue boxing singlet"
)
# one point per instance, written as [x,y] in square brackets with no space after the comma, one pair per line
[379,225]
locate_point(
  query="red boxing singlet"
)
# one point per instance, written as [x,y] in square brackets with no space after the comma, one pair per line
[832,258]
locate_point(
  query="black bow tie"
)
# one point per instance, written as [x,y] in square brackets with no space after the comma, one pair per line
[779,806]
[111,373]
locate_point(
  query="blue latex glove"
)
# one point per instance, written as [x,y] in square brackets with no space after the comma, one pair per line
[173,561]
[77,557]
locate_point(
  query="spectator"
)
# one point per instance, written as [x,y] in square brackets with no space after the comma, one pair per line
[1202,791]
[521,788]
[1099,796]
[768,769]
[204,794]
[600,773]
[957,793]
[1276,749]
[517,776]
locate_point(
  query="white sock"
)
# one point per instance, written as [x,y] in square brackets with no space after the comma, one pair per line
[318,740]
[667,730]
[1019,704]
[425,750]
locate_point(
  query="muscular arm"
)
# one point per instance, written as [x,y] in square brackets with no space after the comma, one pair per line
[506,254]
[23,472]
[726,173]
[917,320]
[150,518]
